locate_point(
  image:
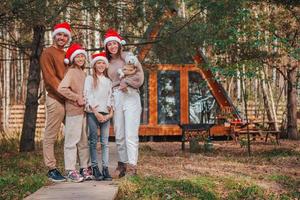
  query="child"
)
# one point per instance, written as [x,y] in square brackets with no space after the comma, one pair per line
[97,90]
[129,67]
[71,87]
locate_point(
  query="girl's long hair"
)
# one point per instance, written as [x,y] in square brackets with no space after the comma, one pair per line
[95,78]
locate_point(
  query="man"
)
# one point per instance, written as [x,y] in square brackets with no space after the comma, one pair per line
[53,68]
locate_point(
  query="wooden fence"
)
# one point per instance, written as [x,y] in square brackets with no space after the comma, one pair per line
[16,114]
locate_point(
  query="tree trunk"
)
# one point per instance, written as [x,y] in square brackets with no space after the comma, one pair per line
[30,116]
[267,105]
[268,102]
[245,101]
[292,103]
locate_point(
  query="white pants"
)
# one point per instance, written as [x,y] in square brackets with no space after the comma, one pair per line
[127,113]
[76,142]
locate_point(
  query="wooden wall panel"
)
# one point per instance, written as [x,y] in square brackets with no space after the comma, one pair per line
[152,98]
[184,95]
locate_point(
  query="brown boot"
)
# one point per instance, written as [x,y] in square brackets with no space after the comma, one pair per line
[120,170]
[131,170]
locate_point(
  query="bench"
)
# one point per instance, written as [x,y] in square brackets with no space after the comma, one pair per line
[254,133]
[272,132]
[199,129]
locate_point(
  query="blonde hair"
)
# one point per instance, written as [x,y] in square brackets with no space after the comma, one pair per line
[95,78]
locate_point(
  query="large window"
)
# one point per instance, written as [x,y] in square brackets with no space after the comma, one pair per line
[168,97]
[202,104]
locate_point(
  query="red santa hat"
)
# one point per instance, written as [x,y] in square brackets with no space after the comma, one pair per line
[112,35]
[62,28]
[99,56]
[72,52]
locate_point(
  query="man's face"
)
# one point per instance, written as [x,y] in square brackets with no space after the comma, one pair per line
[61,39]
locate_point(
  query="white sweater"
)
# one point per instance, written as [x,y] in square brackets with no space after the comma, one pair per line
[101,96]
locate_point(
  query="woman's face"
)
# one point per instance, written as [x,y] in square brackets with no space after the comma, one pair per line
[79,60]
[113,47]
[100,66]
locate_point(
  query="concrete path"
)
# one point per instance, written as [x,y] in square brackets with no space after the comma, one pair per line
[100,190]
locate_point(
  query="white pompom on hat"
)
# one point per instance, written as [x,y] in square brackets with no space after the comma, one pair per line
[62,28]
[72,52]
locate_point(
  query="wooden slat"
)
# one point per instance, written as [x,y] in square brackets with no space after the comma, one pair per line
[184,95]
[152,98]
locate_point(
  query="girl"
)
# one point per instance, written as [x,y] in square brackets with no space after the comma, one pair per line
[71,87]
[127,104]
[97,89]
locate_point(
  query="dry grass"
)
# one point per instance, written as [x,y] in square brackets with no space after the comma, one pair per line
[273,168]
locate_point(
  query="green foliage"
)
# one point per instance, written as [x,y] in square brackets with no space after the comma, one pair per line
[21,174]
[241,35]
[241,189]
[203,187]
[280,153]
[159,188]
[9,141]
[289,183]
[296,54]
[248,192]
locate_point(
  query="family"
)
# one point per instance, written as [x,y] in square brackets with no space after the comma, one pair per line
[80,101]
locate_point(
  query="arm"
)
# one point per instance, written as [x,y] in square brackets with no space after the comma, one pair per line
[111,114]
[110,103]
[49,75]
[64,88]
[88,91]
[110,100]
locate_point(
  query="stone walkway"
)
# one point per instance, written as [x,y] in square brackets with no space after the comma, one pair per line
[100,190]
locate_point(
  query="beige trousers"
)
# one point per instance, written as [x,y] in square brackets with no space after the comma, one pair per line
[55,113]
[76,142]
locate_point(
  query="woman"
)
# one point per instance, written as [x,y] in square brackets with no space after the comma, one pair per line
[127,104]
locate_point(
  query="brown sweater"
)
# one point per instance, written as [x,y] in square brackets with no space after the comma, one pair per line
[53,68]
[136,80]
[71,87]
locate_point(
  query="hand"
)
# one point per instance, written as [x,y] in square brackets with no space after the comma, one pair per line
[123,86]
[81,101]
[100,117]
[106,118]
[94,109]
[110,115]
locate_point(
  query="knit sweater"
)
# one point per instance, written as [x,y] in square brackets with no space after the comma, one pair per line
[71,87]
[99,96]
[53,69]
[136,80]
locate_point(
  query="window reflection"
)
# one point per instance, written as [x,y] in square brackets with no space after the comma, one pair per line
[168,97]
[202,104]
